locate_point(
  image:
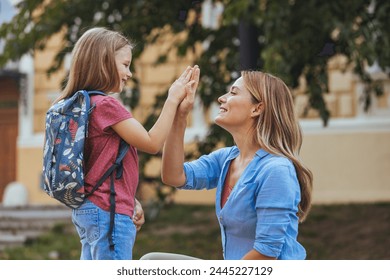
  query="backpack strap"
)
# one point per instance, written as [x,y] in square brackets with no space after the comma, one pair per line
[94,92]
[87,94]
[118,166]
[123,148]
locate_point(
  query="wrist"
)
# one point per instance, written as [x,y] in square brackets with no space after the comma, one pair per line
[173,101]
[180,120]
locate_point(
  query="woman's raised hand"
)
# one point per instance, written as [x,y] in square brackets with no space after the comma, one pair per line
[188,102]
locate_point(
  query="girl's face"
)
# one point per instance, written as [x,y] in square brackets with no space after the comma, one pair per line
[123,59]
[237,109]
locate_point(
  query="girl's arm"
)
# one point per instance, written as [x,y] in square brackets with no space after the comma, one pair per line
[172,172]
[139,215]
[152,141]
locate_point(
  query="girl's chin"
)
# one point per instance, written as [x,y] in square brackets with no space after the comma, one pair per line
[118,90]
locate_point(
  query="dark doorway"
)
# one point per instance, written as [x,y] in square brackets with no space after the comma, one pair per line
[9,96]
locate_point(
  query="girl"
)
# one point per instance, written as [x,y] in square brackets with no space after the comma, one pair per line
[263,189]
[101,60]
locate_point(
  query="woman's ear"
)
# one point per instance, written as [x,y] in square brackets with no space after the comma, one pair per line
[257,109]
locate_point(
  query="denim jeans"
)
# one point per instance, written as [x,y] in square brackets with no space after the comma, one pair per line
[92,224]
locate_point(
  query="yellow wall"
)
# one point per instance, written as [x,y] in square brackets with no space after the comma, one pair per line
[45,86]
[29,169]
[349,167]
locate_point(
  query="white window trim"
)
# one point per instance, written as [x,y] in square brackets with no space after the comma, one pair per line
[199,128]
[26,136]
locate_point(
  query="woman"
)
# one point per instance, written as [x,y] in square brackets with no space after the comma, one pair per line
[263,189]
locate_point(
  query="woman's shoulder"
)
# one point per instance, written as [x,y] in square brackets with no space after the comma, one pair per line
[226,151]
[219,155]
[272,161]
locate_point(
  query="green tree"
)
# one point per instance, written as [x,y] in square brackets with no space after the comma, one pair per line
[295,38]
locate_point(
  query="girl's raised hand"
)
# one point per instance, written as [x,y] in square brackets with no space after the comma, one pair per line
[177,91]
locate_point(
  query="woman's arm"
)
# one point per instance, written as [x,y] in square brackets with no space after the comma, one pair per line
[172,172]
[152,141]
[276,205]
[254,255]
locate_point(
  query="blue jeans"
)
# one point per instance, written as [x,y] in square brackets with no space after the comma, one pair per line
[92,224]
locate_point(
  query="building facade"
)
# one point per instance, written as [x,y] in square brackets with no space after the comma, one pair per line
[350,158]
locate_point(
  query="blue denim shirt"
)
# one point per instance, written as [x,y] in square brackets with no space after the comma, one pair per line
[261,210]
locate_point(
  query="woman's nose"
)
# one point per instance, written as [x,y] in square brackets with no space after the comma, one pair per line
[222,98]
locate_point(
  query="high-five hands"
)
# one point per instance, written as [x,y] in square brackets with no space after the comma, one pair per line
[177,91]
[190,89]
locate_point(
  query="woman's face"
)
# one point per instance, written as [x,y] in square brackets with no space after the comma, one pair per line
[123,59]
[236,108]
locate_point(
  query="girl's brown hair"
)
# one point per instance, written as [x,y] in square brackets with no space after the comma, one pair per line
[277,128]
[93,64]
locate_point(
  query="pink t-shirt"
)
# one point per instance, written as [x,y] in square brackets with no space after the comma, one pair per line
[101,150]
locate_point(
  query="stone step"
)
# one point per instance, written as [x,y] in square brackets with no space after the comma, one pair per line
[37,212]
[8,241]
[18,224]
[18,235]
[26,224]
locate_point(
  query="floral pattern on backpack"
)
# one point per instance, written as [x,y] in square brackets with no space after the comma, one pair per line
[66,129]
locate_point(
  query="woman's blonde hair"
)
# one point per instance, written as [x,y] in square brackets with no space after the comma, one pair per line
[277,128]
[93,64]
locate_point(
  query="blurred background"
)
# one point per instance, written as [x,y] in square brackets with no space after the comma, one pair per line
[334,55]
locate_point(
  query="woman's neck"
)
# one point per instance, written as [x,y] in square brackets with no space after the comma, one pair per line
[247,146]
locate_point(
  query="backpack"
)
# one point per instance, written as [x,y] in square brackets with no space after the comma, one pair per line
[66,130]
